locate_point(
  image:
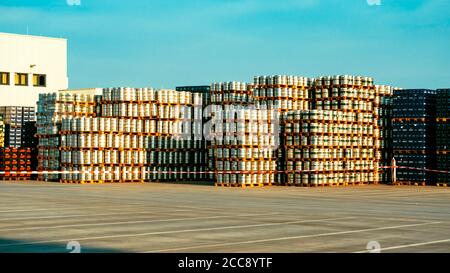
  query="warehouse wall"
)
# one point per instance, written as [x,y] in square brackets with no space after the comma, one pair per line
[31,55]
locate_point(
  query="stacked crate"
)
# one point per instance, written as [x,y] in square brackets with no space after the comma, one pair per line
[14,118]
[2,132]
[329,148]
[414,144]
[52,108]
[243,144]
[29,131]
[15,163]
[443,135]
[177,149]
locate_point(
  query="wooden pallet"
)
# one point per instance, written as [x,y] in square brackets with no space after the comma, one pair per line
[15,178]
[443,120]
[409,183]
[232,185]
[80,182]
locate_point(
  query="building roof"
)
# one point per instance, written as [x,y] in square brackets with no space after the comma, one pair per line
[30,36]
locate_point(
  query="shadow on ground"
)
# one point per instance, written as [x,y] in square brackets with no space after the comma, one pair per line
[23,246]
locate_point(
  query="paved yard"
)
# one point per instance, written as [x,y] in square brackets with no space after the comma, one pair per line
[45,217]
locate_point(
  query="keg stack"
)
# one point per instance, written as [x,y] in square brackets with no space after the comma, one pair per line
[52,108]
[243,143]
[224,96]
[2,132]
[337,143]
[110,147]
[100,149]
[177,152]
[326,147]
[414,126]
[284,93]
[16,163]
[384,99]
[443,135]
[231,93]
[205,93]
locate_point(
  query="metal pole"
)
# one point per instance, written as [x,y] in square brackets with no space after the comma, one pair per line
[394,170]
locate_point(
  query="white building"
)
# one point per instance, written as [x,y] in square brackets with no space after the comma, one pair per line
[30,65]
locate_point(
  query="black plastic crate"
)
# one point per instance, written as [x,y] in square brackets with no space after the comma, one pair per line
[29,131]
[414,103]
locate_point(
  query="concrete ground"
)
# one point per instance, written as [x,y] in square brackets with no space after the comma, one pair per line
[45,217]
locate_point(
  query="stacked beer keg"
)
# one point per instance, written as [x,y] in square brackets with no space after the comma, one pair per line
[140,134]
[285,93]
[243,144]
[52,108]
[326,147]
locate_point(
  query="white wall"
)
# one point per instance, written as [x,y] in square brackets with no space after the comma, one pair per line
[18,53]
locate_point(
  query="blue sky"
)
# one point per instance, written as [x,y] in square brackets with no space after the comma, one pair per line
[165,43]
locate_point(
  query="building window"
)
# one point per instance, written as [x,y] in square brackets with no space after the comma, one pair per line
[4,78]
[21,79]
[39,80]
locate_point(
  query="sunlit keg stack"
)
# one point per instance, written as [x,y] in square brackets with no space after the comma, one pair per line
[384,99]
[328,148]
[91,145]
[243,144]
[177,152]
[51,109]
[359,99]
[282,92]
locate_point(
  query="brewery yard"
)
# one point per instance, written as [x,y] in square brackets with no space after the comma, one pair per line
[149,217]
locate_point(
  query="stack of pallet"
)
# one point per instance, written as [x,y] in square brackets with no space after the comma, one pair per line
[14,118]
[443,135]
[231,93]
[15,163]
[384,100]
[284,93]
[112,146]
[244,143]
[414,124]
[329,148]
[52,107]
[29,139]
[140,134]
[205,92]
[97,150]
[2,132]
[224,96]
[354,101]
[177,152]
